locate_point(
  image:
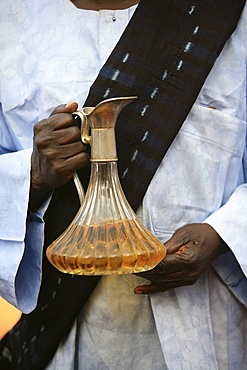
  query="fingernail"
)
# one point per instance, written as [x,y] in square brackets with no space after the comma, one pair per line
[137,291]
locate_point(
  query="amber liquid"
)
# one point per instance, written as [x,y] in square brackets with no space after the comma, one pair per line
[115,248]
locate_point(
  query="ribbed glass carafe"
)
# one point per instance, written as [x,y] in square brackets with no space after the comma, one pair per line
[106,237]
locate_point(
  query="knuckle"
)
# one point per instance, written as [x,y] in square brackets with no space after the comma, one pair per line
[41,143]
[191,282]
[61,169]
[57,167]
[40,125]
[193,262]
[49,154]
[194,276]
[58,109]
[181,235]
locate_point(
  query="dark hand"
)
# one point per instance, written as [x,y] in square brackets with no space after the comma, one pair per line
[58,151]
[190,251]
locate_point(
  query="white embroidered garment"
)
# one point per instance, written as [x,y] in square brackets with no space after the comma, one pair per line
[51,53]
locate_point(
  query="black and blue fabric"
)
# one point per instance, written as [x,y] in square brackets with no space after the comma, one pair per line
[163,58]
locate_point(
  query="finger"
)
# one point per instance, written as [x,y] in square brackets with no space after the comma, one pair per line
[175,243]
[147,289]
[173,272]
[160,288]
[78,161]
[65,120]
[172,263]
[69,165]
[48,127]
[64,170]
[67,135]
[65,108]
[71,150]
[188,278]
[150,289]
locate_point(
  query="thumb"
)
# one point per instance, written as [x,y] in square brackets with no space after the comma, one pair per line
[172,245]
[65,108]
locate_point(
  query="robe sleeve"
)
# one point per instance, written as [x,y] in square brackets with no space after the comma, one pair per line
[21,234]
[230,221]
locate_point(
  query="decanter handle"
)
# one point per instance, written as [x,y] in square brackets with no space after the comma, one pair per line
[85,137]
[79,188]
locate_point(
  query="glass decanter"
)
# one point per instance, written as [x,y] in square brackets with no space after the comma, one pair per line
[105,237]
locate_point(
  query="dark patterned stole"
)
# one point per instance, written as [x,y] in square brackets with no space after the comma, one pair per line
[163,57]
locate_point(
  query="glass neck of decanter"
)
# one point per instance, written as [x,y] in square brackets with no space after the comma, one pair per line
[105,195]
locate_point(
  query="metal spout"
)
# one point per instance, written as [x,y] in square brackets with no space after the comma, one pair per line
[104,115]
